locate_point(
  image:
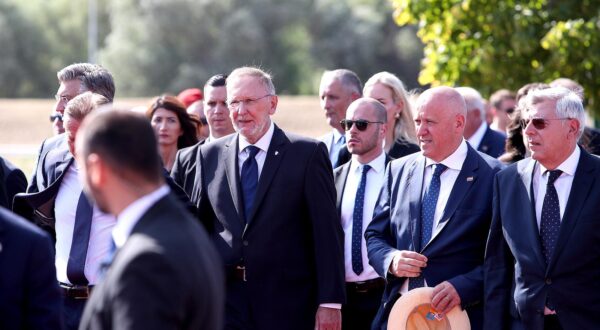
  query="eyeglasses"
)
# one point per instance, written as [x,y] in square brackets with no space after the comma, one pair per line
[510,110]
[62,98]
[56,116]
[235,105]
[538,123]
[361,124]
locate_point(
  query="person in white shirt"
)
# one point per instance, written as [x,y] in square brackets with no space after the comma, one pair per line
[358,183]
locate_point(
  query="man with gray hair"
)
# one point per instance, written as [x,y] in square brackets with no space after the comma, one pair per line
[358,183]
[337,90]
[543,258]
[477,132]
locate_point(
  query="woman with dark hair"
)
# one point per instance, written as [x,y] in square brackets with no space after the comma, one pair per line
[174,127]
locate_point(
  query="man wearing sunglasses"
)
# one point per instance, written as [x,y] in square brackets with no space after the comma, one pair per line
[358,183]
[503,105]
[431,221]
[543,259]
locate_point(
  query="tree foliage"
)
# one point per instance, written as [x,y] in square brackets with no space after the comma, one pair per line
[507,43]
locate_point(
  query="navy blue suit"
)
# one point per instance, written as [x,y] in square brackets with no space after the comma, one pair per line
[456,253]
[292,244]
[29,294]
[493,143]
[12,182]
[517,280]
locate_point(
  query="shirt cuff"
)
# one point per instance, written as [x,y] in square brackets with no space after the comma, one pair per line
[335,306]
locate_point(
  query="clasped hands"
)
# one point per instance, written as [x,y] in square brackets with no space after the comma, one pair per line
[410,264]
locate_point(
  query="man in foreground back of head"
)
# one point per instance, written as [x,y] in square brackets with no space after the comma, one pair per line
[164,273]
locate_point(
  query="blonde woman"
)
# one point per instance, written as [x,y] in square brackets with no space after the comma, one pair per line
[401,139]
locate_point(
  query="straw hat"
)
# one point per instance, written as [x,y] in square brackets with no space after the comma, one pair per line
[413,311]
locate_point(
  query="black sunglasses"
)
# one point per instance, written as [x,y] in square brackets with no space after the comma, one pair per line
[538,123]
[55,117]
[361,124]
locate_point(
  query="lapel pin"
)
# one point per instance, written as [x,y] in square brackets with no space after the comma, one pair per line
[276,152]
[469,179]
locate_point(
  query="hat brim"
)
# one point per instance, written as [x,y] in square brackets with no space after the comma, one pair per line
[408,313]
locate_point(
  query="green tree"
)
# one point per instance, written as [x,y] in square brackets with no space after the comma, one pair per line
[507,43]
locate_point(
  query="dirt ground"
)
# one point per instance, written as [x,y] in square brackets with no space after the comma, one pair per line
[24,123]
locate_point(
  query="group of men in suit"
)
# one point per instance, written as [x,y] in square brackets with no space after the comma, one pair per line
[286,244]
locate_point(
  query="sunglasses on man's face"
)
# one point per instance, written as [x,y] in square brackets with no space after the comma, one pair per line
[538,123]
[361,124]
[55,117]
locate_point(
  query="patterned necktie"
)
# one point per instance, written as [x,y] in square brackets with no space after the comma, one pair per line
[249,180]
[427,214]
[80,242]
[357,222]
[550,222]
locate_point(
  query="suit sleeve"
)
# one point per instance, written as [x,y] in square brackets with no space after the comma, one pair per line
[16,182]
[43,306]
[146,295]
[498,267]
[327,231]
[177,172]
[378,235]
[33,184]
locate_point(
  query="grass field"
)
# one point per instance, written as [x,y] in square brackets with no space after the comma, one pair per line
[24,123]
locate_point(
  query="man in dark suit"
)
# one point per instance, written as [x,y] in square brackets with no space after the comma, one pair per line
[338,88]
[477,132]
[542,262]
[268,200]
[165,273]
[29,295]
[358,183]
[431,221]
[12,182]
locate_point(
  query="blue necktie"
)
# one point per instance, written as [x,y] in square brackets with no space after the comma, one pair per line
[336,149]
[357,222]
[249,180]
[79,244]
[427,214]
[105,264]
[550,222]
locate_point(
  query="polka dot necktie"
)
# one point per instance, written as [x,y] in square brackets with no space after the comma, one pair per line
[357,222]
[249,180]
[427,214]
[550,222]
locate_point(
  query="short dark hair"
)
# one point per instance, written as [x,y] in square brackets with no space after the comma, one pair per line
[125,141]
[217,80]
[94,78]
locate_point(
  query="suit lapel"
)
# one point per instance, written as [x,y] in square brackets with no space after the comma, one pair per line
[230,160]
[530,227]
[415,180]
[340,179]
[582,183]
[273,159]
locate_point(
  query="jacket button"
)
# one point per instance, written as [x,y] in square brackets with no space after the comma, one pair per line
[548,281]
[245,243]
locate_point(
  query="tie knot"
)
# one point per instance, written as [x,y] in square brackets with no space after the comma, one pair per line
[342,140]
[252,151]
[439,169]
[366,169]
[553,175]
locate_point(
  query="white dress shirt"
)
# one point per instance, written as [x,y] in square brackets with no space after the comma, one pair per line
[130,216]
[454,162]
[475,139]
[562,184]
[262,144]
[65,208]
[375,179]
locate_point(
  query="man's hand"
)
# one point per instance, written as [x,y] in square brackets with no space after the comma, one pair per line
[328,319]
[444,297]
[408,264]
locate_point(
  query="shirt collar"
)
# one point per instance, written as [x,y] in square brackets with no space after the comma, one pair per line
[337,136]
[477,137]
[130,216]
[377,164]
[263,143]
[569,166]
[455,160]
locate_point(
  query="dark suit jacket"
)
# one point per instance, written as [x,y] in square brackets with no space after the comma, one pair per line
[456,253]
[292,246]
[29,294]
[492,143]
[12,182]
[517,280]
[401,148]
[166,276]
